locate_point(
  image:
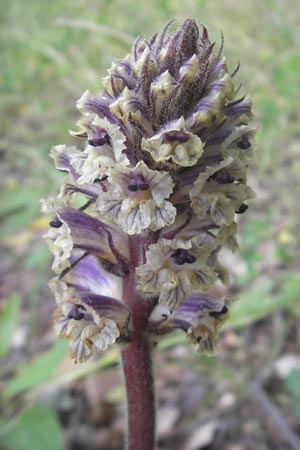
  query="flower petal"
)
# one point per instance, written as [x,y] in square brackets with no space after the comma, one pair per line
[135,199]
[162,215]
[174,269]
[135,216]
[106,307]
[219,193]
[88,277]
[102,152]
[90,234]
[91,324]
[62,155]
[187,310]
[175,143]
[201,316]
[60,243]
[85,339]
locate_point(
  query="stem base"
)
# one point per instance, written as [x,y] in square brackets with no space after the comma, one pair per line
[137,367]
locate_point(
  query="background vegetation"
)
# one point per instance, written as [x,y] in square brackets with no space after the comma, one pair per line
[52,52]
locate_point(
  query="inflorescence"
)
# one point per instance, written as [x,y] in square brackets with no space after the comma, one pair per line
[152,195]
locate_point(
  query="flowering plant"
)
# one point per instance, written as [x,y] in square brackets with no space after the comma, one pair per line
[147,204]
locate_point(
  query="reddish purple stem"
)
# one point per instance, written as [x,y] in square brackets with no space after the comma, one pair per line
[137,360]
[137,369]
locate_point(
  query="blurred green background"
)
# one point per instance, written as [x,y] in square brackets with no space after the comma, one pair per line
[50,53]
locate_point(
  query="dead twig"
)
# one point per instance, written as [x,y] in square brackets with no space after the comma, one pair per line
[273,414]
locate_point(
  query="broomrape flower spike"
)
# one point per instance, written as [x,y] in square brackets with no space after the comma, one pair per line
[149,200]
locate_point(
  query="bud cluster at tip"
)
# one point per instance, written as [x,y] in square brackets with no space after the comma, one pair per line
[165,154]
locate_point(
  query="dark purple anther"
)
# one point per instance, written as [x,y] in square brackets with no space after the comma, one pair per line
[55,222]
[242,209]
[141,182]
[99,138]
[244,143]
[217,314]
[143,186]
[133,186]
[138,184]
[176,136]
[75,313]
[181,256]
[223,177]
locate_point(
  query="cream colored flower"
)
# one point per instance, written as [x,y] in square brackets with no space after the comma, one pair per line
[106,148]
[86,330]
[174,269]
[62,155]
[60,244]
[136,199]
[174,143]
[220,191]
[204,328]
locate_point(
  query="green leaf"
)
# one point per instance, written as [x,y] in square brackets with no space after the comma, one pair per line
[38,370]
[36,429]
[19,208]
[172,340]
[297,410]
[290,290]
[251,306]
[38,375]
[258,303]
[38,257]
[8,322]
[105,361]
[293,382]
[15,200]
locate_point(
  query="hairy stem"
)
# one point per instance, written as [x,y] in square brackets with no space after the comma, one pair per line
[137,360]
[137,369]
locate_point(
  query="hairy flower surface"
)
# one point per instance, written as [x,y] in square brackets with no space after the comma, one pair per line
[151,196]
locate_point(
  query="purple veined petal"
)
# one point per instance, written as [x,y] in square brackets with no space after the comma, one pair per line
[189,176]
[196,227]
[90,234]
[218,138]
[91,191]
[88,277]
[107,307]
[87,232]
[87,329]
[231,136]
[181,222]
[62,159]
[200,316]
[186,181]
[98,104]
[195,304]
[238,107]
